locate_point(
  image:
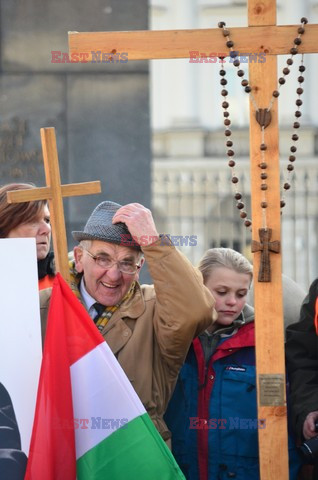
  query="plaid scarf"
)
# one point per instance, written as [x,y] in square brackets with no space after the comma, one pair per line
[108,312]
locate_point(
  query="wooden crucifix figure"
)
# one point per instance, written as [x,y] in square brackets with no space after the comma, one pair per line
[265,246]
[261,36]
[54,193]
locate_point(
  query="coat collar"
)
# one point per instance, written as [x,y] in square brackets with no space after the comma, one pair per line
[134,306]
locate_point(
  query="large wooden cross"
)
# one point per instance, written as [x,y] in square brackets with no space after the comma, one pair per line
[54,193]
[261,36]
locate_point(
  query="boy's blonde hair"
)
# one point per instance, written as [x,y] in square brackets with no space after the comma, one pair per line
[224,257]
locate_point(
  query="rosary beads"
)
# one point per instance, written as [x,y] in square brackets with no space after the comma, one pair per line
[263,116]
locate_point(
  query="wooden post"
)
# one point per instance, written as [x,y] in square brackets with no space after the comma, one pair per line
[261,36]
[268,300]
[54,193]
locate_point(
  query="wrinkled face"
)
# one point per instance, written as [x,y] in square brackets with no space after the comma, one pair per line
[107,286]
[229,289]
[40,229]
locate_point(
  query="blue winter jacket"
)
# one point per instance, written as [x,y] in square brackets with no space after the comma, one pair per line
[213,412]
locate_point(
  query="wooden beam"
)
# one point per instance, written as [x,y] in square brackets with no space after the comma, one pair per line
[52,176]
[54,193]
[269,321]
[152,44]
[44,193]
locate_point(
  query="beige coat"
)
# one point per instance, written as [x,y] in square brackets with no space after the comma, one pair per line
[150,334]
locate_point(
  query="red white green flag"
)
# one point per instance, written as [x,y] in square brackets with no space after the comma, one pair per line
[89,422]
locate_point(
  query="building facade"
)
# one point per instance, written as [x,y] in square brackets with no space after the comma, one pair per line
[192,190]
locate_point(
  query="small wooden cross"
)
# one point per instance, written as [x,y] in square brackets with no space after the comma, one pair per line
[54,193]
[265,246]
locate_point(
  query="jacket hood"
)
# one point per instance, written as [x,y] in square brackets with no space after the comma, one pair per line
[247,314]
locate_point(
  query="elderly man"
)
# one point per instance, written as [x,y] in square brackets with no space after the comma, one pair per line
[148,328]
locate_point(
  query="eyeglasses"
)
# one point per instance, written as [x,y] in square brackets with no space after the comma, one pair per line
[124,266]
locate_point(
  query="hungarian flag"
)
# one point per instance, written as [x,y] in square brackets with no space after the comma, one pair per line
[89,423]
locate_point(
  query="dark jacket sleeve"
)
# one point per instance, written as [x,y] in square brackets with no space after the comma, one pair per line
[12,460]
[302,361]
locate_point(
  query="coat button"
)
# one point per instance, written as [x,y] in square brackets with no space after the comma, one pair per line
[211,377]
[126,333]
[231,474]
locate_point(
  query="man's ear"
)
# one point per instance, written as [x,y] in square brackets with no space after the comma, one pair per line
[78,257]
[140,263]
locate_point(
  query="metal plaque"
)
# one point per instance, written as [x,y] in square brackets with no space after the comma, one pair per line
[272,390]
